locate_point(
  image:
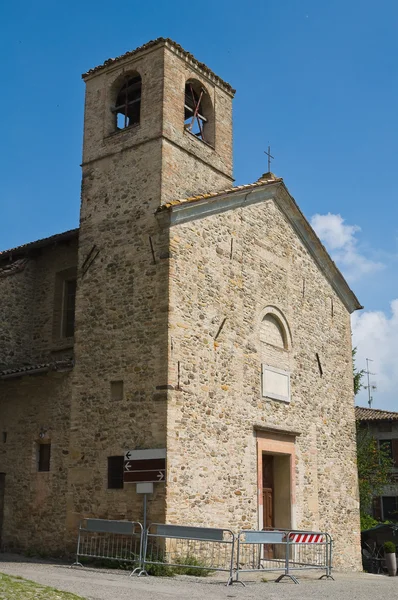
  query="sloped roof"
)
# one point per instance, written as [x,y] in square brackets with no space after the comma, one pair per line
[57,365]
[242,195]
[173,46]
[266,179]
[374,414]
[53,239]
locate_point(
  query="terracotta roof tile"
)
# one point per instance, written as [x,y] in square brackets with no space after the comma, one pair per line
[171,44]
[10,268]
[374,414]
[249,186]
[58,365]
[59,237]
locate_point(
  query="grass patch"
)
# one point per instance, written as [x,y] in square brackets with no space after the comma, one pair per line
[189,566]
[193,567]
[107,563]
[16,588]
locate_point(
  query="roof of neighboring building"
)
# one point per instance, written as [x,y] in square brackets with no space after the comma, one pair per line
[374,414]
[265,179]
[53,239]
[57,365]
[174,46]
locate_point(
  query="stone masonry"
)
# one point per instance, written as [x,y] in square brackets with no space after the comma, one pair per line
[186,289]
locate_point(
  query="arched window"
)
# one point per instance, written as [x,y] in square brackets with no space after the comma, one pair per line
[272,332]
[275,354]
[198,113]
[128,102]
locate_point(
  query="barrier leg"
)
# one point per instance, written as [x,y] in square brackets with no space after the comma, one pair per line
[141,557]
[328,574]
[77,563]
[287,564]
[236,580]
[142,571]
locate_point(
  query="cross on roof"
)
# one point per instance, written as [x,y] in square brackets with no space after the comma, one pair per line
[269,158]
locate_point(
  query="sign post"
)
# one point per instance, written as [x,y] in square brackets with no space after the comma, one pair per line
[144,468]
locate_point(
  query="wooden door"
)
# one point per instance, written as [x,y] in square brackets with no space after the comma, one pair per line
[2,489]
[268,499]
[268,491]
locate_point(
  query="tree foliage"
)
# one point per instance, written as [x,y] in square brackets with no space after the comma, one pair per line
[374,468]
[373,461]
[357,374]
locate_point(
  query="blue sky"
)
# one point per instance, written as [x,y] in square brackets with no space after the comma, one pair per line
[317,80]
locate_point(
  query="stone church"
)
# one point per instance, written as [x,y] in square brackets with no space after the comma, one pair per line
[184,313]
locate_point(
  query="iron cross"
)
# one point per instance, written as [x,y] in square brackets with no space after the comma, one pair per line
[269,158]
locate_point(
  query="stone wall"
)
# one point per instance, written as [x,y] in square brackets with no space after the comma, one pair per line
[191,166]
[121,332]
[35,502]
[122,300]
[211,439]
[16,299]
[30,308]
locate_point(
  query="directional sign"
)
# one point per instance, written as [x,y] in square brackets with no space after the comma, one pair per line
[145,466]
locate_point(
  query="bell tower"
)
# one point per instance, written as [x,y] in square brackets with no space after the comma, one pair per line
[158,122]
[157,127]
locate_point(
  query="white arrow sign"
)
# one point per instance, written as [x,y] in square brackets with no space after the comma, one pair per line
[127,466]
[160,476]
[144,454]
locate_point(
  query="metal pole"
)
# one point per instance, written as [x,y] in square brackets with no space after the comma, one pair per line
[369,388]
[144,523]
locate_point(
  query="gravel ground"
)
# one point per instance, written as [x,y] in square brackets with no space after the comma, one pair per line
[103,584]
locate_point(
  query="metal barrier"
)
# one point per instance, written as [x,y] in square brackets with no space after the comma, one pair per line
[112,540]
[189,547]
[283,550]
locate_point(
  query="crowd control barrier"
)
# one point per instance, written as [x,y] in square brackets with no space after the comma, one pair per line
[192,547]
[113,540]
[285,551]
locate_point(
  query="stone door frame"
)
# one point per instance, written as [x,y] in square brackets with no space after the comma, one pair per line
[281,445]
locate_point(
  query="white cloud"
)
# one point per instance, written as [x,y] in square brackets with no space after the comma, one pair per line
[340,240]
[375,334]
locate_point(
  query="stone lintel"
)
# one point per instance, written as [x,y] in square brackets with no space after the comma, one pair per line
[276,429]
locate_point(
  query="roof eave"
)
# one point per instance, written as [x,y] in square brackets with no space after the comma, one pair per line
[153,45]
[24,249]
[317,250]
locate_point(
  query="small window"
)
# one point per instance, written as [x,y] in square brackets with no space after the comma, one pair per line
[44,454]
[69,308]
[115,472]
[117,390]
[198,112]
[390,508]
[128,103]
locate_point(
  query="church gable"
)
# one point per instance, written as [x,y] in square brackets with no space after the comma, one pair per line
[268,188]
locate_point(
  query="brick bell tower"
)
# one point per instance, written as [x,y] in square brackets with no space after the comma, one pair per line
[167,114]
[157,127]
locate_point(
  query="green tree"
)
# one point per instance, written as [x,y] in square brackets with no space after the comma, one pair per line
[374,468]
[373,461]
[357,374]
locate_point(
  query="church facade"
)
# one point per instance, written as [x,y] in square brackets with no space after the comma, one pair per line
[185,314]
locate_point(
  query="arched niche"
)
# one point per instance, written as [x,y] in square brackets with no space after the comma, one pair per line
[274,329]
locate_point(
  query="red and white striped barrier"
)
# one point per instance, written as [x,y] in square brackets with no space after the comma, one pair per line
[306,538]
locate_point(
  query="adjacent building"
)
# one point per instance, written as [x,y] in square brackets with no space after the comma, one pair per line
[383,426]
